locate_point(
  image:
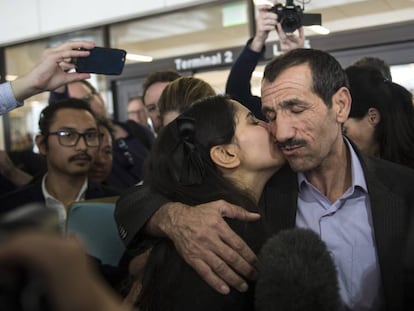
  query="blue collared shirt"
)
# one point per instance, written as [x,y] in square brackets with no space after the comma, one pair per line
[7,100]
[346,227]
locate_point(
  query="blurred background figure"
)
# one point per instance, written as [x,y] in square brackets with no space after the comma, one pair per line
[153,86]
[376,63]
[12,176]
[138,112]
[179,95]
[102,166]
[81,90]
[58,273]
[381,120]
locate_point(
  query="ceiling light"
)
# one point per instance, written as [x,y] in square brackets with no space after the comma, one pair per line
[261,2]
[139,58]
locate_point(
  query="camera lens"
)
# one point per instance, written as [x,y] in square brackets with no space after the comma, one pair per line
[290,22]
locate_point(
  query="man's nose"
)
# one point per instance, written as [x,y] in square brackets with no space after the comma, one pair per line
[282,129]
[81,145]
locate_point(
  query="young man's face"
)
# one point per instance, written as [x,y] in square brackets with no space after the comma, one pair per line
[307,131]
[70,160]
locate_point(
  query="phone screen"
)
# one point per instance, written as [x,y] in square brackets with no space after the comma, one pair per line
[102,61]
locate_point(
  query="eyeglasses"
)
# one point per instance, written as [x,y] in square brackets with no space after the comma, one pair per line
[71,138]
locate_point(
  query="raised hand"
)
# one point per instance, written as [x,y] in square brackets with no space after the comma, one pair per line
[52,70]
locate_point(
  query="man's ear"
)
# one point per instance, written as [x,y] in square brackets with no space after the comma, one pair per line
[225,156]
[341,101]
[374,116]
[41,144]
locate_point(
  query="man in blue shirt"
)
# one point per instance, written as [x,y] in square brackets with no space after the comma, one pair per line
[359,206]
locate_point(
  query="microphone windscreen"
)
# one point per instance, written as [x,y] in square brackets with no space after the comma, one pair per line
[296,272]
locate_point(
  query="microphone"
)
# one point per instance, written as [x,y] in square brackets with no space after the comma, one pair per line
[296,272]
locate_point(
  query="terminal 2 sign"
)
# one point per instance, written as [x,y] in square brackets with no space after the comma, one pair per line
[211,59]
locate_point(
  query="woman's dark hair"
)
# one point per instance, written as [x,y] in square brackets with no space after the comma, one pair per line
[327,74]
[181,169]
[395,131]
[180,166]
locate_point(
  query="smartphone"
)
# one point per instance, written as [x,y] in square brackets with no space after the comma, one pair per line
[102,61]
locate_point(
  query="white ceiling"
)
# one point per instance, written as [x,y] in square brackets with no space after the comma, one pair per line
[338,15]
[203,29]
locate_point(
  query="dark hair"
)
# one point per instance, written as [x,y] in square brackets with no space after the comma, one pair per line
[395,131]
[181,93]
[327,74]
[89,86]
[106,123]
[159,76]
[48,114]
[181,169]
[377,63]
[167,163]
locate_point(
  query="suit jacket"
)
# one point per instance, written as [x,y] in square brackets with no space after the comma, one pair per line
[32,193]
[392,203]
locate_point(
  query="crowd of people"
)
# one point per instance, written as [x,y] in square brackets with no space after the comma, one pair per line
[220,194]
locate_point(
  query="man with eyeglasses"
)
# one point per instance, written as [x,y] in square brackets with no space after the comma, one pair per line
[132,141]
[69,140]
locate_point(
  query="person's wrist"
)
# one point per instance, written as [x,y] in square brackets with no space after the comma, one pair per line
[172,214]
[257,44]
[23,88]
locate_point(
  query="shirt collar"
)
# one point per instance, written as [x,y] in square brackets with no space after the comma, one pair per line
[358,178]
[49,197]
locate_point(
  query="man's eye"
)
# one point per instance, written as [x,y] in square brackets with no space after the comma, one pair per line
[296,110]
[270,116]
[66,134]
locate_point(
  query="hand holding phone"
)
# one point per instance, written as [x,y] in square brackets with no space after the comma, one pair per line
[105,61]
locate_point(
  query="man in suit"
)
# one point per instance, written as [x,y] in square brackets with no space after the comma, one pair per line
[359,206]
[69,140]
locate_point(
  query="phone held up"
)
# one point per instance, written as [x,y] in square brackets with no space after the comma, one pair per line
[101,60]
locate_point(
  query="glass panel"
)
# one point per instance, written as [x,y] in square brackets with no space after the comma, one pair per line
[19,60]
[218,78]
[189,31]
[403,75]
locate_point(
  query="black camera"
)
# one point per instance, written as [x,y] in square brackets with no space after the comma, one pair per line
[290,16]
